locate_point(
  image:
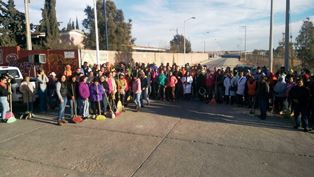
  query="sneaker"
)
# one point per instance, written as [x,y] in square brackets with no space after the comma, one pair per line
[137,108]
[307,129]
[63,121]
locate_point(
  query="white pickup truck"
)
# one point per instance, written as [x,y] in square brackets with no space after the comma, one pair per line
[16,79]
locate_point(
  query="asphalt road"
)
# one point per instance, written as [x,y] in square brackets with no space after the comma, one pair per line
[183,139]
[222,62]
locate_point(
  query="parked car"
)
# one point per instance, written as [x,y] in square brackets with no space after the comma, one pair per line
[16,80]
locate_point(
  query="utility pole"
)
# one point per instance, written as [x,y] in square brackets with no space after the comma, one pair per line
[106,23]
[244,41]
[184,45]
[287,47]
[271,52]
[28,28]
[96,31]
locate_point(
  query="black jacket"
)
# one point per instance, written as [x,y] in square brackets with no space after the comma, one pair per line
[3,91]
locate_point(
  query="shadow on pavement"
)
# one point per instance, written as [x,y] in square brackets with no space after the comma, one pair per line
[196,110]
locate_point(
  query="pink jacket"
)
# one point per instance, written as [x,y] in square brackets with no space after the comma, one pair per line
[172,81]
[136,86]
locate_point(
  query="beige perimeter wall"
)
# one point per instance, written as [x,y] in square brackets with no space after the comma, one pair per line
[142,57]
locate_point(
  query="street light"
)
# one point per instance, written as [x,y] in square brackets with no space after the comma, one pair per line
[184,45]
[96,31]
[205,41]
[244,41]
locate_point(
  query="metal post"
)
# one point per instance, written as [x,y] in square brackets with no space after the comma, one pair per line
[287,62]
[184,47]
[271,52]
[96,31]
[244,41]
[28,30]
[106,24]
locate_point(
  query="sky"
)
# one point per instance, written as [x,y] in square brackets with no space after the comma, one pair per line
[218,23]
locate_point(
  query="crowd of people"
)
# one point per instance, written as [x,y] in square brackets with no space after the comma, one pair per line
[93,90]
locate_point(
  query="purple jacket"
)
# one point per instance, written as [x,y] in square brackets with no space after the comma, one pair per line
[84,90]
[96,93]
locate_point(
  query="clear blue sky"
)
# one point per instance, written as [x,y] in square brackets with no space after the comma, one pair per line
[218,22]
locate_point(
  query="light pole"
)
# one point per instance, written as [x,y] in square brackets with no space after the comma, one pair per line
[287,63]
[244,41]
[96,31]
[184,45]
[205,42]
[271,52]
[28,30]
[106,23]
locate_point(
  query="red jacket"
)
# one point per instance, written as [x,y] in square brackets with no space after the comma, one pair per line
[172,81]
[209,80]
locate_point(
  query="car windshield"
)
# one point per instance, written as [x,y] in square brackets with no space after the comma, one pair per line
[13,73]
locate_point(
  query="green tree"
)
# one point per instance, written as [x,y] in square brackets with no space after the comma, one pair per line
[77,26]
[177,44]
[69,26]
[49,24]
[305,43]
[12,25]
[119,31]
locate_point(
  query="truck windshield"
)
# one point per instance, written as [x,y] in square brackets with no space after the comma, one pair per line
[13,73]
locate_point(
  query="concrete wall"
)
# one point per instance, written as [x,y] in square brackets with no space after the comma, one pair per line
[142,57]
[260,60]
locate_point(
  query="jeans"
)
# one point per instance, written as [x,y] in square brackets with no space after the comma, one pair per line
[85,108]
[42,100]
[144,96]
[62,108]
[104,103]
[263,107]
[73,104]
[137,99]
[298,109]
[162,91]
[4,106]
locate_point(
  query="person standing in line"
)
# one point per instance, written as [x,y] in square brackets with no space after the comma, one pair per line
[187,82]
[241,88]
[280,95]
[121,88]
[96,96]
[227,85]
[51,91]
[162,79]
[300,95]
[105,102]
[4,93]
[62,92]
[72,94]
[28,91]
[172,82]
[137,91]
[251,92]
[42,91]
[84,94]
[263,96]
[144,86]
